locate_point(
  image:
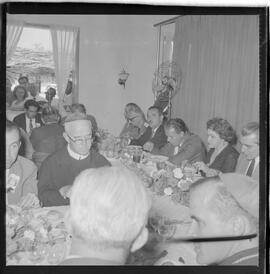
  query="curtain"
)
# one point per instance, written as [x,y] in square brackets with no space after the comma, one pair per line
[14,31]
[218,56]
[64,49]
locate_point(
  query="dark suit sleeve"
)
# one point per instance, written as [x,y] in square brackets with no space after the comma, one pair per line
[19,120]
[192,151]
[142,139]
[166,150]
[229,164]
[160,138]
[48,192]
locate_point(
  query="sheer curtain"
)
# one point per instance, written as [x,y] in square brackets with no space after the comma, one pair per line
[64,49]
[14,31]
[219,59]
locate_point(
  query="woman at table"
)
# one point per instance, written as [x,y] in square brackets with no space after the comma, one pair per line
[20,94]
[48,138]
[221,156]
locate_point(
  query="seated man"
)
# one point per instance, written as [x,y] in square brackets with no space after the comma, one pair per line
[50,97]
[129,130]
[48,138]
[226,206]
[158,137]
[108,213]
[21,173]
[136,118]
[248,161]
[33,93]
[182,145]
[31,118]
[58,171]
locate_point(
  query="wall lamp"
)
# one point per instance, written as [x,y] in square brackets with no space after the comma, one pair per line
[123,76]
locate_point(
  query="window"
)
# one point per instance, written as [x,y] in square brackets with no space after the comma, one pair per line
[33,57]
[35,53]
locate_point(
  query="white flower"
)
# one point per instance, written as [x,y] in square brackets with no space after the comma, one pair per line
[177,173]
[12,182]
[29,234]
[183,184]
[43,232]
[168,191]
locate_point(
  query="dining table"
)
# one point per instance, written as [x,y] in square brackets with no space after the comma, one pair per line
[167,220]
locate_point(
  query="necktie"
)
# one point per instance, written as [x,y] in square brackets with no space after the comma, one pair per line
[31,125]
[250,168]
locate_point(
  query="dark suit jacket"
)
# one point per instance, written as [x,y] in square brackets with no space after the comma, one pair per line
[143,138]
[225,161]
[192,150]
[21,121]
[242,165]
[159,139]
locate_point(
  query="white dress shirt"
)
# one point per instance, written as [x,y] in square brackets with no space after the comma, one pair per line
[257,160]
[75,155]
[27,120]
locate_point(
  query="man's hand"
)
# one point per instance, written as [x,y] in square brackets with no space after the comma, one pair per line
[65,191]
[201,166]
[148,146]
[29,200]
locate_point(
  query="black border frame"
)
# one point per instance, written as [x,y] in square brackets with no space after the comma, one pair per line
[87,8]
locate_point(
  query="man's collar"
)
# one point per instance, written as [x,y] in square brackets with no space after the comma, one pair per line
[76,155]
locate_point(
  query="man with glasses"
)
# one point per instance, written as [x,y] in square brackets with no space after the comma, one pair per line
[21,173]
[248,162]
[221,207]
[58,171]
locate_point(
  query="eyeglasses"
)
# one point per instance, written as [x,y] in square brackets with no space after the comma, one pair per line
[81,140]
[131,119]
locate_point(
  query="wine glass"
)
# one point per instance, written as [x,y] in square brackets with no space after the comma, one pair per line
[166,229]
[56,253]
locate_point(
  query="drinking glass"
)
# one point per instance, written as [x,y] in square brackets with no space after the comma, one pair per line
[56,253]
[137,153]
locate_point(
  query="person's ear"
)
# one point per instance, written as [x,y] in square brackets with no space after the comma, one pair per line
[240,225]
[66,137]
[140,240]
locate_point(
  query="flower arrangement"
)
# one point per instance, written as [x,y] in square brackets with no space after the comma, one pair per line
[107,142]
[26,232]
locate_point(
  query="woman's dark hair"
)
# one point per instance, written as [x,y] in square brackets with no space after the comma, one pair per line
[19,87]
[31,103]
[177,124]
[223,128]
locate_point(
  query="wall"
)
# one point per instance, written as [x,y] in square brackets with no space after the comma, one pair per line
[109,43]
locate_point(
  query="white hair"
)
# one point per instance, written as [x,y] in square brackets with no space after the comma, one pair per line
[108,207]
[221,202]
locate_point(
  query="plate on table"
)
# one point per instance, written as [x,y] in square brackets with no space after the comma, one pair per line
[134,147]
[158,158]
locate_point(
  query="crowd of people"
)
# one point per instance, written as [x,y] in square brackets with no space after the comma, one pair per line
[109,205]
